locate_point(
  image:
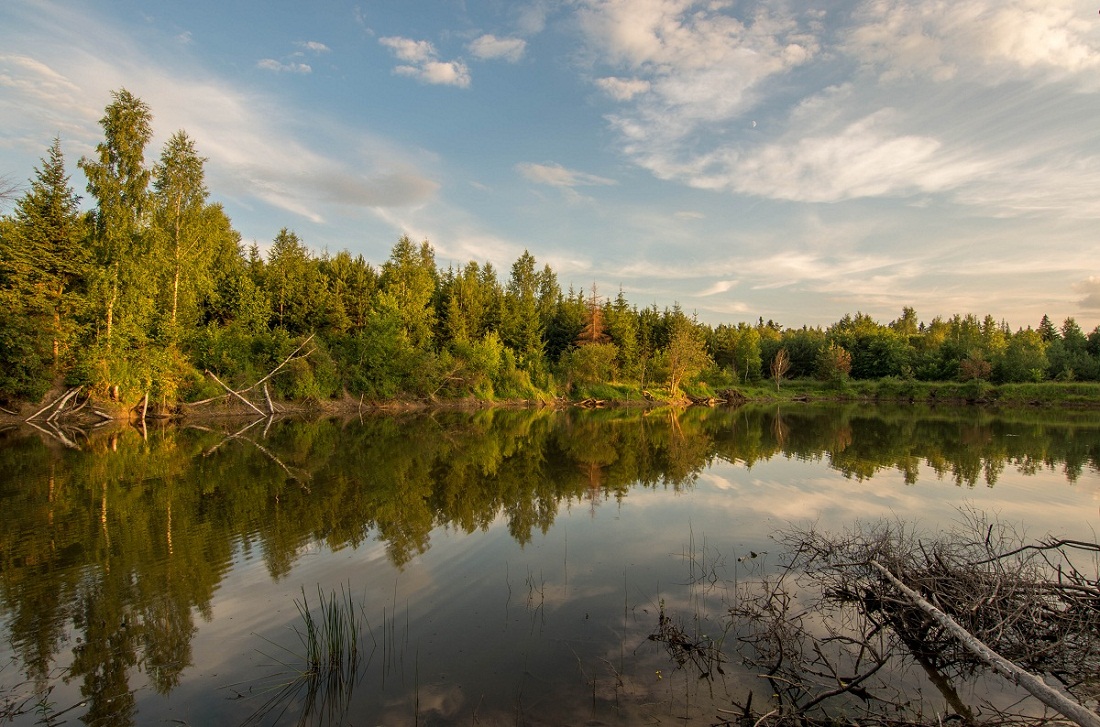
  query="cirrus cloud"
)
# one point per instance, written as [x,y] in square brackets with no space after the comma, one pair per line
[556,175]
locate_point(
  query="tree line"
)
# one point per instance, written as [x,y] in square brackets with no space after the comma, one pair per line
[153,286]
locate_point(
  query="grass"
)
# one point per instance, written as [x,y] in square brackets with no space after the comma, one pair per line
[323,685]
[332,641]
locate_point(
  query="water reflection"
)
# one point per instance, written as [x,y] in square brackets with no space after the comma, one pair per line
[112,555]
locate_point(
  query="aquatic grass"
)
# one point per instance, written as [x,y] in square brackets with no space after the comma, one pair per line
[320,679]
[331,641]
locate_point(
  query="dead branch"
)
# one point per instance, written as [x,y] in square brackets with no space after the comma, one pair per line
[55,434]
[239,435]
[292,357]
[61,404]
[1035,686]
[239,393]
[58,401]
[234,393]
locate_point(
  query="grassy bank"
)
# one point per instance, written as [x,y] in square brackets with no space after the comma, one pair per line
[1053,394]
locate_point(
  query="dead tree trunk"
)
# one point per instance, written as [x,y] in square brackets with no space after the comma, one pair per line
[1033,684]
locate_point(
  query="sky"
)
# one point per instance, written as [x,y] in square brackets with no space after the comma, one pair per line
[792,161]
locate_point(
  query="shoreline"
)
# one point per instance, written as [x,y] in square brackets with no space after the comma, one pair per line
[1046,395]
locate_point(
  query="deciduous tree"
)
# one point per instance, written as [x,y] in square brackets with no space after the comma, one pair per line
[119,182]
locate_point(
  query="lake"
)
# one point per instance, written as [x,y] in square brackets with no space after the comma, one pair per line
[506,566]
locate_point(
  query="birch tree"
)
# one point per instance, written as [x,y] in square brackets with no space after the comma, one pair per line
[119,182]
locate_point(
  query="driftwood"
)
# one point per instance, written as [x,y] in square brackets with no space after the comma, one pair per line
[55,432]
[702,400]
[239,435]
[1033,684]
[231,392]
[261,383]
[591,403]
[57,405]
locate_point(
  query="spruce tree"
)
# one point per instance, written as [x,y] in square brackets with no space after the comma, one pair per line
[44,266]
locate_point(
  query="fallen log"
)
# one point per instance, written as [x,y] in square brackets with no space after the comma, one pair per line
[234,393]
[1034,685]
[59,402]
[239,393]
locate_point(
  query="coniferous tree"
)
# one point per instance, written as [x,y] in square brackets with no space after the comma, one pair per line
[408,283]
[595,324]
[520,325]
[43,270]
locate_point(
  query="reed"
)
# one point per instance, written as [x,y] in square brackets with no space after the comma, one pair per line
[331,639]
[322,688]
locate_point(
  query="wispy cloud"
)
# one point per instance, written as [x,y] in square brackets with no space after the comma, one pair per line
[312,46]
[721,286]
[270,64]
[623,89]
[688,78]
[422,63]
[980,39]
[254,154]
[490,47]
[556,175]
[1091,290]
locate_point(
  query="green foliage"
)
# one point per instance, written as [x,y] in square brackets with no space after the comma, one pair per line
[834,364]
[119,182]
[153,287]
[44,271]
[738,349]
[590,364]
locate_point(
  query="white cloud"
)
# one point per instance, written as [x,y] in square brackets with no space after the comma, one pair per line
[406,49]
[255,153]
[623,89]
[556,175]
[423,64]
[721,286]
[488,47]
[906,120]
[988,39]
[312,46]
[866,158]
[270,64]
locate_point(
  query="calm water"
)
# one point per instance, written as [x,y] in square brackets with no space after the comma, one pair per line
[508,565]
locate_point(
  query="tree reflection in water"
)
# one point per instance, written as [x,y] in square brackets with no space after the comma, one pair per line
[111,552]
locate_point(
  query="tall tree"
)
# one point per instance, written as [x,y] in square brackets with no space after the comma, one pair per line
[44,260]
[119,181]
[179,199]
[408,283]
[521,328]
[299,295]
[595,324]
[686,354]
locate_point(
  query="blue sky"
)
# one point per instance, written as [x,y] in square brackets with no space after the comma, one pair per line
[795,161]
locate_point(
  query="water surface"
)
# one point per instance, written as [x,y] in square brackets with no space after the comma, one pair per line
[508,565]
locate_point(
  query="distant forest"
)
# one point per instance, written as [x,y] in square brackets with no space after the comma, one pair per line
[153,288]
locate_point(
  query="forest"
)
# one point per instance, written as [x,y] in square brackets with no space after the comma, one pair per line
[152,293]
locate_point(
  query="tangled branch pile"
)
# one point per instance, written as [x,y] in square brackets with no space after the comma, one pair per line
[885,600]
